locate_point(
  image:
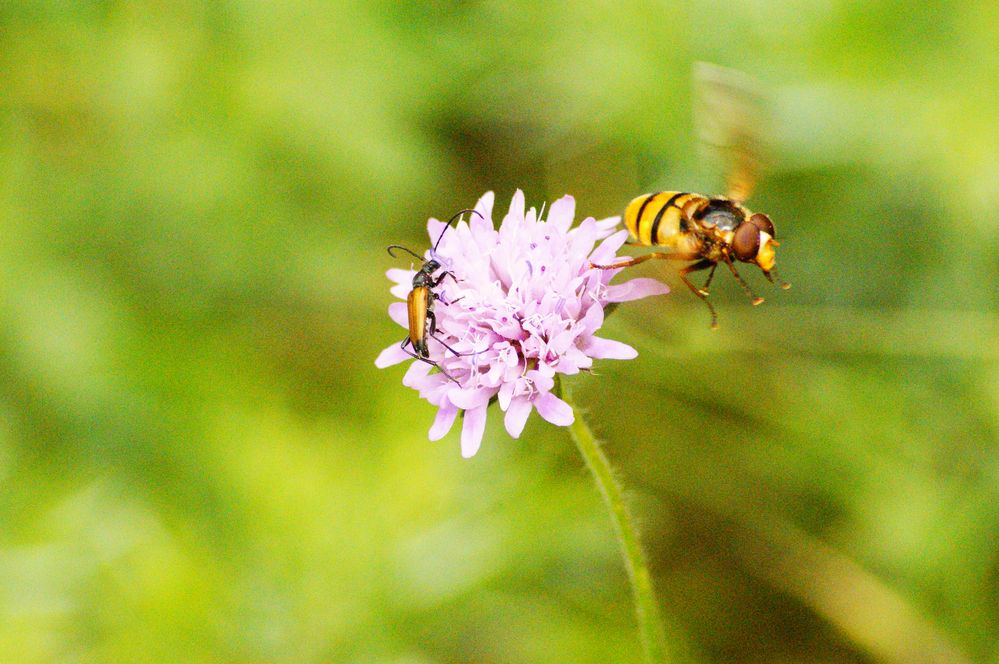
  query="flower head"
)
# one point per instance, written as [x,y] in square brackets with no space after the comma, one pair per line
[524,305]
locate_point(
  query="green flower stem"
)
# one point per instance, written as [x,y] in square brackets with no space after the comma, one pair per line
[649,624]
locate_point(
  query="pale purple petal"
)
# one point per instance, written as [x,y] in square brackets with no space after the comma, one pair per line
[505,395]
[480,225]
[427,382]
[484,206]
[554,410]
[435,227]
[561,213]
[608,349]
[399,276]
[442,422]
[593,319]
[583,237]
[416,371]
[607,250]
[469,398]
[607,226]
[516,416]
[401,291]
[473,426]
[635,289]
[517,206]
[399,312]
[543,382]
[394,354]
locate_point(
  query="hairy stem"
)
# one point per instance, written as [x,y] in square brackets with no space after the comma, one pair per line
[646,608]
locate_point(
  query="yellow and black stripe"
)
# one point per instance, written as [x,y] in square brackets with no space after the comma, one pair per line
[657,219]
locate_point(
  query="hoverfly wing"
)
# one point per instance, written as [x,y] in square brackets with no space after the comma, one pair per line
[732,126]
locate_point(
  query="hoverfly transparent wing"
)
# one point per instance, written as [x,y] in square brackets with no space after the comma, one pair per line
[733,126]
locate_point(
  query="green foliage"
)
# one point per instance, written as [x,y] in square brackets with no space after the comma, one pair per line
[199,461]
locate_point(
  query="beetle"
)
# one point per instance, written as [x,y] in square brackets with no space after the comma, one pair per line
[420,302]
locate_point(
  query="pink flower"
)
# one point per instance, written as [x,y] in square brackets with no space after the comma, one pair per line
[525,306]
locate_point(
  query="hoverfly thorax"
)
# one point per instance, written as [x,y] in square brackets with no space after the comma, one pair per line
[720,213]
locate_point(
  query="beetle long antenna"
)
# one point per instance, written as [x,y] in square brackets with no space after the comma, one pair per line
[399,246]
[448,225]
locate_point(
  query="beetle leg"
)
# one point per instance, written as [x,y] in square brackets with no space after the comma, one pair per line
[446,273]
[457,354]
[428,361]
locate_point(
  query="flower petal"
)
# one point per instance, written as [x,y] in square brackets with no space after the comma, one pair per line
[416,371]
[473,426]
[635,289]
[607,226]
[609,349]
[442,422]
[394,354]
[479,224]
[605,253]
[516,212]
[516,416]
[468,398]
[484,206]
[506,394]
[400,276]
[435,227]
[399,312]
[561,212]
[401,291]
[593,319]
[554,409]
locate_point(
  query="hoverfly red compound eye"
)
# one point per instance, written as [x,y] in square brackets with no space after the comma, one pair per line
[746,241]
[763,222]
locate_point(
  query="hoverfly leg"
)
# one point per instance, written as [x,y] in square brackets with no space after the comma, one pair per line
[641,259]
[770,277]
[755,299]
[711,275]
[702,293]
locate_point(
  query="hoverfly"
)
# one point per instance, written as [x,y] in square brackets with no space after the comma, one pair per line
[712,230]
[420,302]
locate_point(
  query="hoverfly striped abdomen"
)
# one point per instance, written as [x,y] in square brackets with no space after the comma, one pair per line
[656,219]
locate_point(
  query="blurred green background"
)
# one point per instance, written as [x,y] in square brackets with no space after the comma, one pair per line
[200,463]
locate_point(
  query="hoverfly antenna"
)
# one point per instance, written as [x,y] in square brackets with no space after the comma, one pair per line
[399,246]
[448,225]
